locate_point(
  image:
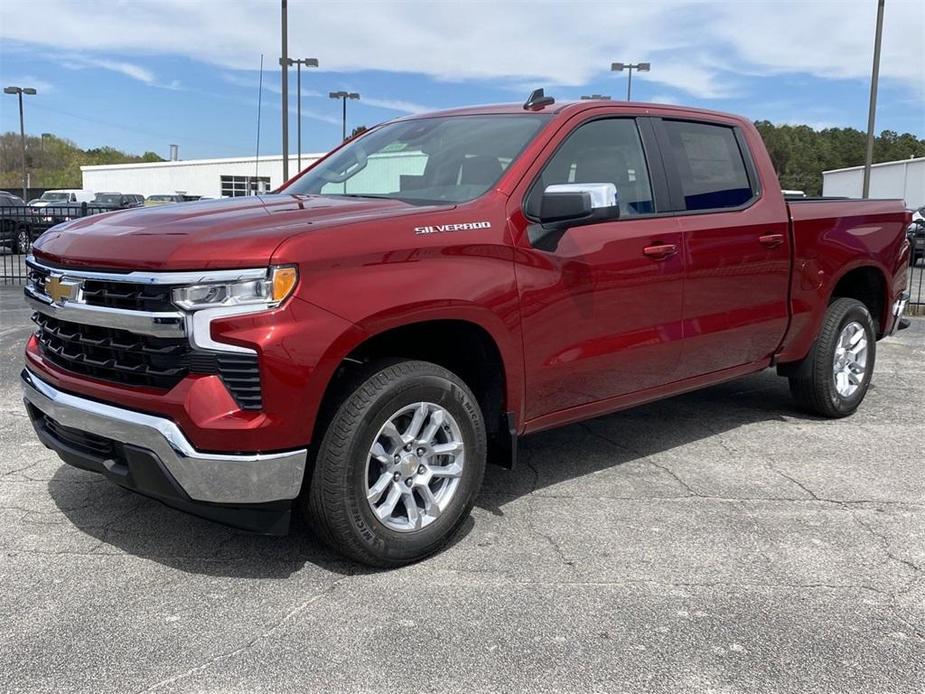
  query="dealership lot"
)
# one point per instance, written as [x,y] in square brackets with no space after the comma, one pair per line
[717,541]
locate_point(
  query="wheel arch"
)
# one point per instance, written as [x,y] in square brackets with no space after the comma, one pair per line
[483,353]
[866,282]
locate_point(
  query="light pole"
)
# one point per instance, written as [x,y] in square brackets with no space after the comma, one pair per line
[307,62]
[284,85]
[19,91]
[619,67]
[872,110]
[596,97]
[343,96]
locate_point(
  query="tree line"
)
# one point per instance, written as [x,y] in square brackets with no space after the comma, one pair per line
[799,153]
[54,162]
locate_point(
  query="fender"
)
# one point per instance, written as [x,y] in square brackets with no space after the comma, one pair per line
[506,340]
[812,288]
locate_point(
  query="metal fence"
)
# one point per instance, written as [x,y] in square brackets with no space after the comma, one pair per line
[20,226]
[916,287]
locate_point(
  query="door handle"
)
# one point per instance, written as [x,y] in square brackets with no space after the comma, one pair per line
[771,240]
[660,251]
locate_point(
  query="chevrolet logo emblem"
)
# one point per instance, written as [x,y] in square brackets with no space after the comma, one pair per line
[60,290]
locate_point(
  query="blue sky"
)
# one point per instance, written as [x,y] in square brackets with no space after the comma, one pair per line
[143,74]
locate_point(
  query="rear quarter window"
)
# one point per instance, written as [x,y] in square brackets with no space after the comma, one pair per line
[711,169]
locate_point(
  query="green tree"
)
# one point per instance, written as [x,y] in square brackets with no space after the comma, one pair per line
[54,162]
[800,154]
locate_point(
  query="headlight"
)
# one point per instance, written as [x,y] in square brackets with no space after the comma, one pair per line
[267,292]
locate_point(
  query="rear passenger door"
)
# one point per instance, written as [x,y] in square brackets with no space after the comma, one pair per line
[736,246]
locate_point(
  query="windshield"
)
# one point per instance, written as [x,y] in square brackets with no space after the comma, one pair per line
[426,160]
[161,198]
[55,196]
[108,199]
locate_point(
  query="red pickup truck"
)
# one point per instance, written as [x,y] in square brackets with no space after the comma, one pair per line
[359,344]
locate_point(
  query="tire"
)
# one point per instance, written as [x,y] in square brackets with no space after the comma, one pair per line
[816,386]
[346,471]
[23,242]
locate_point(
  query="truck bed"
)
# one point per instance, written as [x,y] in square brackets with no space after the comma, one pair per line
[830,239]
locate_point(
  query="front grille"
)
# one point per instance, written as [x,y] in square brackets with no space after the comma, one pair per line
[113,355]
[134,297]
[83,441]
[121,356]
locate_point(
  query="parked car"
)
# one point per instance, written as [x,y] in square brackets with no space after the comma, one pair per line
[62,197]
[357,346]
[916,231]
[117,201]
[15,224]
[154,200]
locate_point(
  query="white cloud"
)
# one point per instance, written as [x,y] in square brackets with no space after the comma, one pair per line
[136,72]
[665,99]
[396,105]
[701,49]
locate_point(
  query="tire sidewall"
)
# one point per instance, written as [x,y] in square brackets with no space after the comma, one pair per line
[854,312]
[372,534]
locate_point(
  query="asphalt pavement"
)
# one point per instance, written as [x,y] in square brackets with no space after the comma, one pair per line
[719,541]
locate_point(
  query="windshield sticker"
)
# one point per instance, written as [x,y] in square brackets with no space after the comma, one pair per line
[444,228]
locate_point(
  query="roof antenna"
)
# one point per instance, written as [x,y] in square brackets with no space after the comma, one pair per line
[538,100]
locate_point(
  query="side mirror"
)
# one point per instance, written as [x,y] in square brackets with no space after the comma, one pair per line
[566,205]
[573,204]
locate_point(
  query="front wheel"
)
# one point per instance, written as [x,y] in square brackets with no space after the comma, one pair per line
[399,466]
[836,375]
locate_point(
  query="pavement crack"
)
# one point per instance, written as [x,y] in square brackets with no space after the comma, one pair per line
[642,456]
[265,633]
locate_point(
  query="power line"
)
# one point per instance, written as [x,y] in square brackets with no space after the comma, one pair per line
[133,129]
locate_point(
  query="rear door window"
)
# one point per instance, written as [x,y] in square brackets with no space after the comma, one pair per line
[712,173]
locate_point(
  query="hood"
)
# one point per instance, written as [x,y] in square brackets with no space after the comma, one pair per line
[229,233]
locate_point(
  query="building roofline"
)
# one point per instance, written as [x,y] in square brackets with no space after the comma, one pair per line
[882,163]
[196,162]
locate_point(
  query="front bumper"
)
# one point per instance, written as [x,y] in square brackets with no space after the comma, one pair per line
[151,455]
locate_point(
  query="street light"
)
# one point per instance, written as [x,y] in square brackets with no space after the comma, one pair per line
[619,67]
[19,91]
[343,96]
[872,109]
[596,97]
[307,62]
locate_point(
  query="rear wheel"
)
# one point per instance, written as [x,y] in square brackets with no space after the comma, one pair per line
[835,377]
[399,466]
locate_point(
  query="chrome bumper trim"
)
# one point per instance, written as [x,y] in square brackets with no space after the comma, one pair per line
[899,306]
[159,324]
[211,477]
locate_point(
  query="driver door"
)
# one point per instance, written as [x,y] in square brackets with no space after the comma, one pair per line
[601,311]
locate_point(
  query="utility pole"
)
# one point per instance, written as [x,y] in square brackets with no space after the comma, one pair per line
[284,65]
[872,110]
[19,91]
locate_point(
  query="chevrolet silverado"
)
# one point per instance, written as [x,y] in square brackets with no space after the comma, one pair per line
[357,345]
